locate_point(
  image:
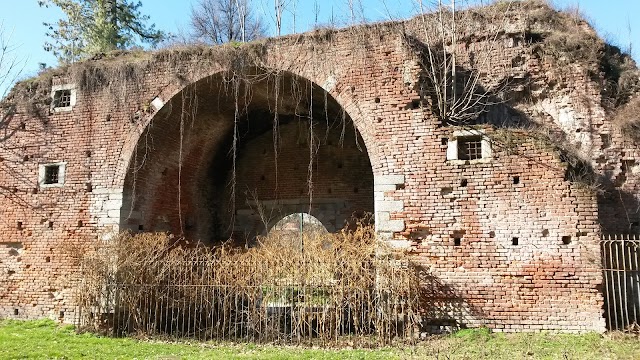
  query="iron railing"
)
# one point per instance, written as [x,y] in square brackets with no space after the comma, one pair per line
[191,303]
[621,272]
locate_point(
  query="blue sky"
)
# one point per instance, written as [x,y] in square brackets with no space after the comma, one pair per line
[22,20]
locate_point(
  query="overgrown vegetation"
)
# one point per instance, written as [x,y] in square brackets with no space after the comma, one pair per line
[314,287]
[566,38]
[627,118]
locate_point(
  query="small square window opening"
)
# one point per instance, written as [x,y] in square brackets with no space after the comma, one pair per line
[52,174]
[470,148]
[62,98]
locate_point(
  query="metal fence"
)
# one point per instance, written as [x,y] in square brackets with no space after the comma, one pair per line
[621,271]
[192,303]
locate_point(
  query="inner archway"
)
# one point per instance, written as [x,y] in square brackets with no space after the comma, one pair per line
[230,155]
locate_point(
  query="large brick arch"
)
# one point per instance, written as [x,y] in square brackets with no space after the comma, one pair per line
[358,109]
[198,122]
[490,233]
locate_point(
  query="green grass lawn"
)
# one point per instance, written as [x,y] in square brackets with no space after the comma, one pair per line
[44,339]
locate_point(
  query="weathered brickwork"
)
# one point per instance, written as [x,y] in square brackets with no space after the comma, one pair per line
[508,240]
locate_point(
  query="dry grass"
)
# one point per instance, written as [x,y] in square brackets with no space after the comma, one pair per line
[627,119]
[337,284]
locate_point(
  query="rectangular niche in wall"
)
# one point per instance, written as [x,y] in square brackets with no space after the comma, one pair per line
[63,97]
[469,146]
[52,174]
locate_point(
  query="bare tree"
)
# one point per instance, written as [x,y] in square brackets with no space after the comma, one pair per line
[279,6]
[10,65]
[458,94]
[356,11]
[221,21]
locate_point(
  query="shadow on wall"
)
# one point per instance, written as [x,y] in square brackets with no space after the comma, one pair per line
[618,209]
[504,103]
[444,309]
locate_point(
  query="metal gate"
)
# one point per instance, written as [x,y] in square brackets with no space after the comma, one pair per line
[621,271]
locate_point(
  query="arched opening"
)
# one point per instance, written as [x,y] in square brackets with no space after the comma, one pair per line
[230,155]
[300,223]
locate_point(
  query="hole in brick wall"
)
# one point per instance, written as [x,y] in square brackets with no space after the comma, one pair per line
[379,120]
[339,165]
[516,180]
[51,174]
[355,190]
[25,158]
[108,118]
[10,272]
[444,141]
[532,38]
[23,126]
[61,315]
[578,130]
[377,100]
[50,225]
[515,241]
[464,183]
[80,223]
[470,148]
[566,240]
[34,190]
[492,234]
[262,177]
[545,233]
[16,312]
[14,189]
[606,140]
[446,191]
[581,233]
[140,227]
[88,187]
[457,241]
[329,190]
[400,186]
[19,225]
[62,98]
[47,259]
[87,153]
[517,61]
[415,104]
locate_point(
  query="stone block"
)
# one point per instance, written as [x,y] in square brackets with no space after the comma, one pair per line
[111,205]
[388,180]
[390,225]
[389,205]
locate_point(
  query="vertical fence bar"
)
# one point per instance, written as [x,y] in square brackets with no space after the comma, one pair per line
[191,298]
[621,274]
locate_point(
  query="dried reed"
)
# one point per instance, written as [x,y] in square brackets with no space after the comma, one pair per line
[315,287]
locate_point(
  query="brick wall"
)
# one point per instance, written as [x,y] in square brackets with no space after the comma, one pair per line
[128,167]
